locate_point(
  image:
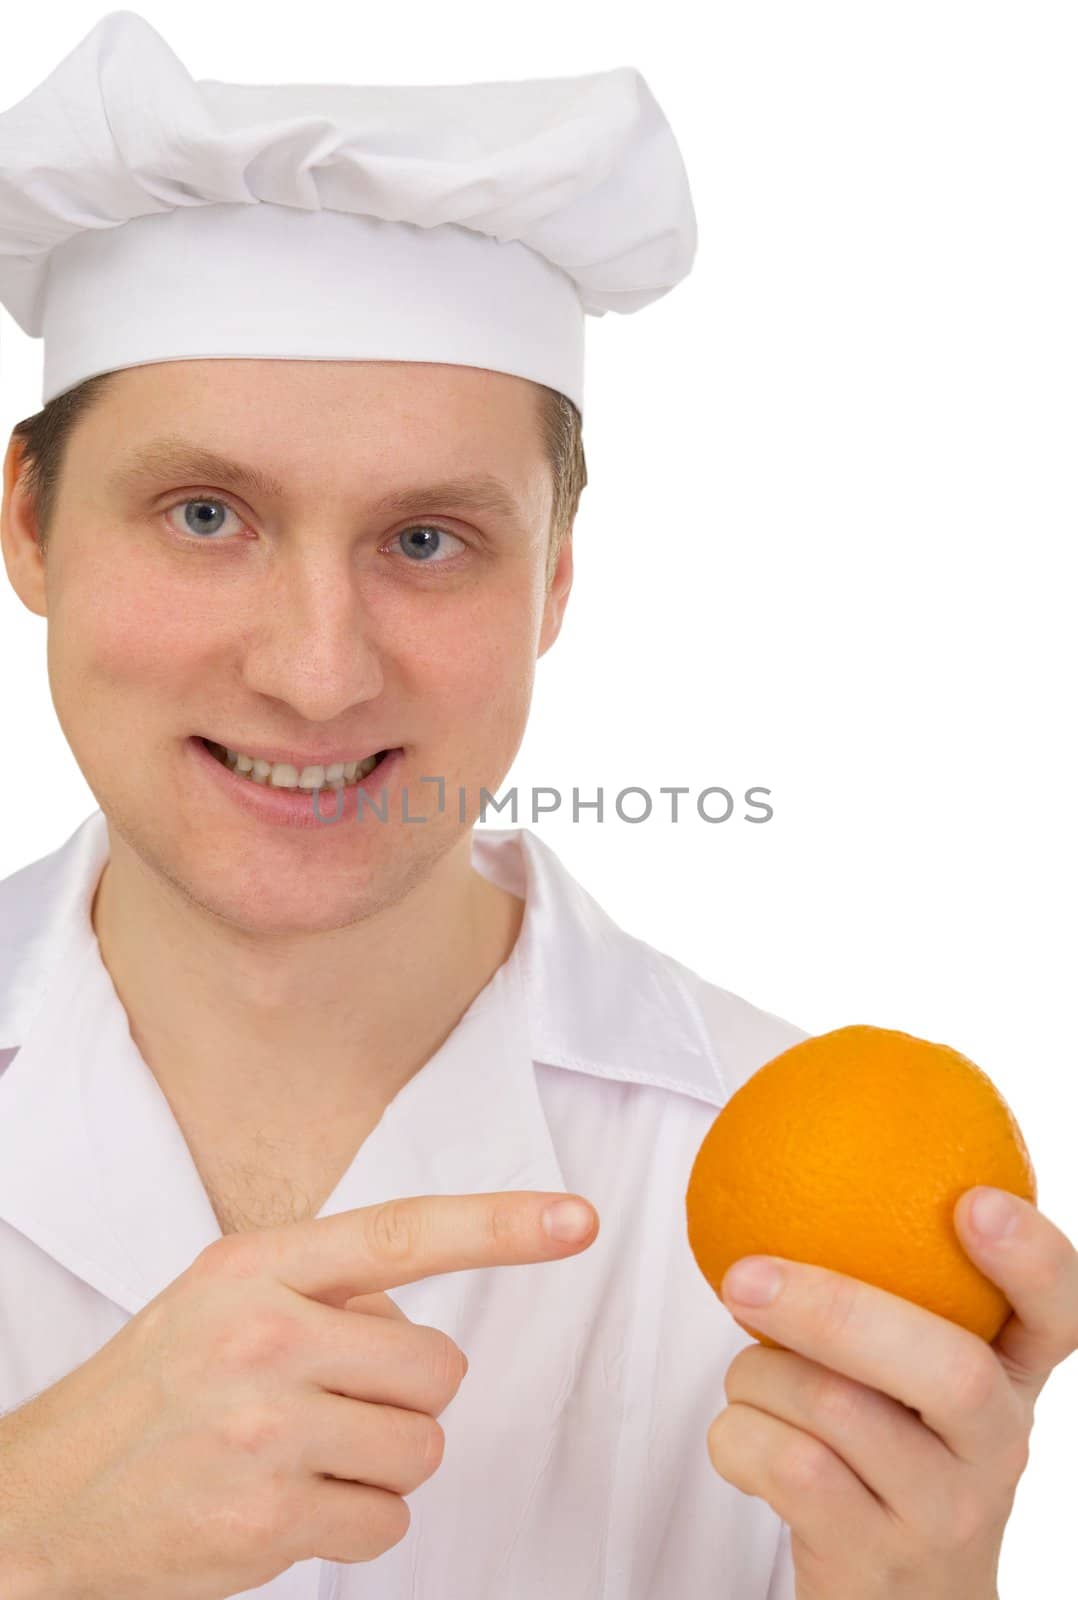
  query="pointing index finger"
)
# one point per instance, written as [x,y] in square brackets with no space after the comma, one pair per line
[399,1241]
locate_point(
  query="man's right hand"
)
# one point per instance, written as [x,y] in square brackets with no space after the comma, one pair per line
[270,1405]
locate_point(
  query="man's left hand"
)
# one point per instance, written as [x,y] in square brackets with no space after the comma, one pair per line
[890,1439]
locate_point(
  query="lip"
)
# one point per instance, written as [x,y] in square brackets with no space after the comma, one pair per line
[296,808]
[298,759]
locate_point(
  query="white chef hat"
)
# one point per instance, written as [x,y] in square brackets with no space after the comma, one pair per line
[147,216]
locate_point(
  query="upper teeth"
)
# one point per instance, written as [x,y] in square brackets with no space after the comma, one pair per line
[283,775]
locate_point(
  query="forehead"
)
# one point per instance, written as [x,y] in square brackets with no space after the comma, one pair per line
[399,430]
[327,391]
[376,413]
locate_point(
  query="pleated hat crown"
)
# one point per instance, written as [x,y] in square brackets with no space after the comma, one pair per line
[148,216]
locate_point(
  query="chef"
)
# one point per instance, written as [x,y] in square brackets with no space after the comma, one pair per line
[310,349]
[216,1017]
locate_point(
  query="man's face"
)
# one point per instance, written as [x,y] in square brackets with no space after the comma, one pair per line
[309,619]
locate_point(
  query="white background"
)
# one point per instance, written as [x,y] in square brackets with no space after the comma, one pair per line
[827,542]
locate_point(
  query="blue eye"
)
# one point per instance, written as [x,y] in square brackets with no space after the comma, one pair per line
[426,551]
[424,546]
[201,525]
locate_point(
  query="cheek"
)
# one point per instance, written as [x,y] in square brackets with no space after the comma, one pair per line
[116,628]
[481,670]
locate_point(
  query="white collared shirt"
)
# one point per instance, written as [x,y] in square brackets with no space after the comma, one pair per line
[576,1462]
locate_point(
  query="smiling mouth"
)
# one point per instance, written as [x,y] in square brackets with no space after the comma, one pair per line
[280,775]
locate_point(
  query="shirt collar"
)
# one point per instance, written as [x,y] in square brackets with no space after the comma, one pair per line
[94,1167]
[633,1018]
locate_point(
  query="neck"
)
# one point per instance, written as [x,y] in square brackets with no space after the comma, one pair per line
[240,1028]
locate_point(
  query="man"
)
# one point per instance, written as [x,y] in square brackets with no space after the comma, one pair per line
[268,1057]
[323,1019]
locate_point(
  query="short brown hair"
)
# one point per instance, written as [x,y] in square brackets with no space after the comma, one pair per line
[46,433]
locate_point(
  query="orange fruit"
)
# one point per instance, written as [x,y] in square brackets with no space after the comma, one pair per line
[850,1151]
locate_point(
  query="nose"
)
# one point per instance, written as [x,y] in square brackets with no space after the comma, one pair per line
[314,645]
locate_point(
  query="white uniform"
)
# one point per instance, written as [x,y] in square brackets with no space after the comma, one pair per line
[576,1461]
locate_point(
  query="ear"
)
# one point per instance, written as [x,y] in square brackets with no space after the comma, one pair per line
[557,595]
[18,532]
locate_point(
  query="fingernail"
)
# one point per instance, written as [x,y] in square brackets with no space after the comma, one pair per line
[755,1281]
[995,1214]
[568,1221]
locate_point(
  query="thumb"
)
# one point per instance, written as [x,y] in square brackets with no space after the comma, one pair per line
[1036,1267]
[375,1304]
[379,1304]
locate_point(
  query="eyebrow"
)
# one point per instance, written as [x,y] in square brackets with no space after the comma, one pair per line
[172,458]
